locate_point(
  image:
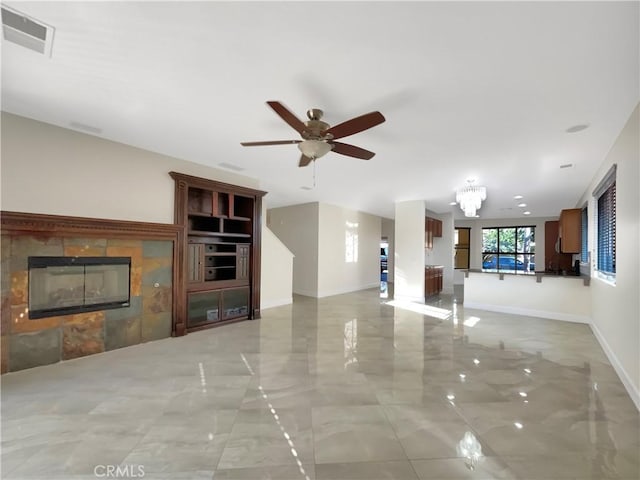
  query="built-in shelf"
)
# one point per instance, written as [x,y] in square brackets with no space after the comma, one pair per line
[220,250]
[219,234]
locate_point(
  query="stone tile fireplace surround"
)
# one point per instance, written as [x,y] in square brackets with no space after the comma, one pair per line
[29,342]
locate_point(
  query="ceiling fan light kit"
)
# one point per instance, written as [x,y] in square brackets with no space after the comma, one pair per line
[314,149]
[318,136]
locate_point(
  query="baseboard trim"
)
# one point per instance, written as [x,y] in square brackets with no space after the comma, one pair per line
[331,293]
[617,366]
[341,291]
[565,317]
[276,303]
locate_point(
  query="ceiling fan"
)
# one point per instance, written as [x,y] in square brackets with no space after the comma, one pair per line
[318,137]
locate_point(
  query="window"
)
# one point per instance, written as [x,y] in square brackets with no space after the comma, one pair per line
[509,249]
[584,236]
[351,242]
[462,243]
[606,234]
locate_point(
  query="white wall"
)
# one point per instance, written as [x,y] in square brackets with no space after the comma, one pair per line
[316,233]
[559,298]
[409,254]
[339,270]
[297,227]
[51,170]
[56,171]
[276,283]
[388,231]
[616,309]
[443,250]
[275,289]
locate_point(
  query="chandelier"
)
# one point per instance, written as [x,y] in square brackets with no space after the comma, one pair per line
[470,198]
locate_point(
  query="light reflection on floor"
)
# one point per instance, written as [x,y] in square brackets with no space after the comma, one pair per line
[333,388]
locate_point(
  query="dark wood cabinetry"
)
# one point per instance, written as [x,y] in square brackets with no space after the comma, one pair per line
[569,229]
[554,260]
[219,251]
[432,229]
[433,280]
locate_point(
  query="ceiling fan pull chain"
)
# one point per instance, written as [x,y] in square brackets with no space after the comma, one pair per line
[314,173]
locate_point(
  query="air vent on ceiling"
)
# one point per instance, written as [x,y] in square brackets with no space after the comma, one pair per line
[26,31]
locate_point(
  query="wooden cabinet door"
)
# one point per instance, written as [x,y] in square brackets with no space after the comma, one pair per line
[242,262]
[569,230]
[195,267]
[437,227]
[428,231]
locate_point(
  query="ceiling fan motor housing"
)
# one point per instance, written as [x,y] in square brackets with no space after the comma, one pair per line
[315,128]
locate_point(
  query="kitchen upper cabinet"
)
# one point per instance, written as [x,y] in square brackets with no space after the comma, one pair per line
[432,228]
[569,227]
[555,261]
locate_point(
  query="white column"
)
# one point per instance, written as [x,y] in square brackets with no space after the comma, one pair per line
[409,251]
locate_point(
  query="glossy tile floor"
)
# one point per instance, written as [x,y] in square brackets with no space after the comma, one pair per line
[346,387]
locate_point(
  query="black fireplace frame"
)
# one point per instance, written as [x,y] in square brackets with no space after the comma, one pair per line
[44,262]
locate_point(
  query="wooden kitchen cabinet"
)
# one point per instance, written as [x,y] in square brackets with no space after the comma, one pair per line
[554,261]
[569,230]
[432,228]
[433,279]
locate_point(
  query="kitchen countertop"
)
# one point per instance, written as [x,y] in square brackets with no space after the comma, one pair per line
[538,275]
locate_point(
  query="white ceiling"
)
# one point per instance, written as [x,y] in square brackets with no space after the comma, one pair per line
[483,90]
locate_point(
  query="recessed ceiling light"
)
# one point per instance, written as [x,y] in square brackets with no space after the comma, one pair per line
[452,203]
[522,204]
[518,197]
[577,128]
[526,213]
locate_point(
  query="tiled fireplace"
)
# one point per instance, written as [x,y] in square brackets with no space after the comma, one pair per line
[146,315]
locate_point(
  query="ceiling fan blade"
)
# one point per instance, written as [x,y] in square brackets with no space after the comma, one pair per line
[304,161]
[351,150]
[356,125]
[275,142]
[287,116]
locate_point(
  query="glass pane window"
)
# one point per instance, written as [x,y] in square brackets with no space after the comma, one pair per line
[489,239]
[507,240]
[509,249]
[526,241]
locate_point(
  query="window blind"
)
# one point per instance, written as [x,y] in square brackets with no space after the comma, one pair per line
[584,234]
[607,230]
